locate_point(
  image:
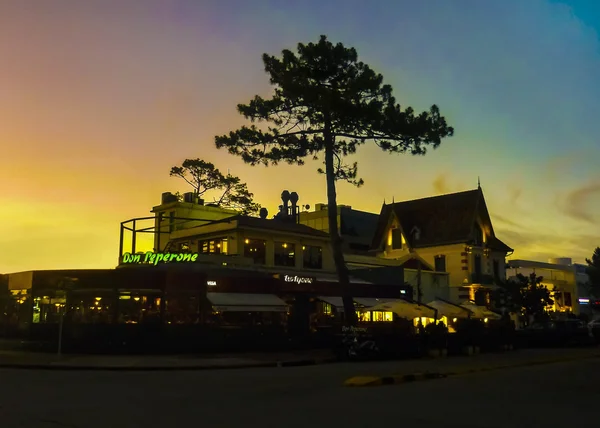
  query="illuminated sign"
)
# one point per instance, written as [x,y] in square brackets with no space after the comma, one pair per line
[152,258]
[584,301]
[211,283]
[298,279]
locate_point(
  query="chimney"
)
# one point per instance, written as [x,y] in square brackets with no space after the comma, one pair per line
[168,197]
[294,209]
[285,197]
[189,197]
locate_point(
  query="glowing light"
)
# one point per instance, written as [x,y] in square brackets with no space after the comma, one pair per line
[155,258]
[298,279]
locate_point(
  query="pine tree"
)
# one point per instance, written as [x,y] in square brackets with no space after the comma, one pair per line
[326,103]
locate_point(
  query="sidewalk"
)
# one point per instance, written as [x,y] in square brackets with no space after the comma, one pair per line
[399,368]
[33,360]
[425,369]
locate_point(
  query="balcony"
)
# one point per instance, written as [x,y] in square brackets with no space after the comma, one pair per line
[483,279]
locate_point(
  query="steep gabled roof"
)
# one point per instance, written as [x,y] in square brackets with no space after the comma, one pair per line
[441,220]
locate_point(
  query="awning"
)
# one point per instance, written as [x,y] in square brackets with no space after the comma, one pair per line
[242,302]
[335,301]
[448,310]
[404,309]
[334,278]
[372,301]
[480,311]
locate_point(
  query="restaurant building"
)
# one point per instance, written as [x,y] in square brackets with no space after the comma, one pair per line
[212,279]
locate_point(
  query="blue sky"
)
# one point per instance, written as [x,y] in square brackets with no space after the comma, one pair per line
[100,99]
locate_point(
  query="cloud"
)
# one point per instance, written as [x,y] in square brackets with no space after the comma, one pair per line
[505,221]
[514,194]
[440,184]
[540,246]
[575,203]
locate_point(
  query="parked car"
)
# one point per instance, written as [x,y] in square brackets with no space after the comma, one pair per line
[569,332]
[594,329]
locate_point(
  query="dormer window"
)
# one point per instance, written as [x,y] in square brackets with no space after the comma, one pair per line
[397,239]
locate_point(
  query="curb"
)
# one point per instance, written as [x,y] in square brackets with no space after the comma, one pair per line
[392,380]
[66,367]
[415,377]
[525,364]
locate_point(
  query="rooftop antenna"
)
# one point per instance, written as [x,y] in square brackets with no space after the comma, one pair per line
[478,183]
[392,200]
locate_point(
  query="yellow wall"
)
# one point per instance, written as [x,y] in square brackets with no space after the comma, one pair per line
[453,261]
[298,241]
[236,236]
[561,280]
[433,284]
[203,213]
[457,277]
[318,220]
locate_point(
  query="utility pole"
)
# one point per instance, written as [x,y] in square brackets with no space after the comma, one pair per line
[419,290]
[416,234]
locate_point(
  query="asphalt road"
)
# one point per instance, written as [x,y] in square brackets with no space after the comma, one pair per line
[556,395]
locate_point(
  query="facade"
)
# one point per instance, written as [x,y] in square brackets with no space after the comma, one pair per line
[453,233]
[561,276]
[254,280]
[355,227]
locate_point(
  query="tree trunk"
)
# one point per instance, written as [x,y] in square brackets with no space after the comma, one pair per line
[336,241]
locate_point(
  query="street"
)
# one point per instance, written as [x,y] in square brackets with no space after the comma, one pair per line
[553,395]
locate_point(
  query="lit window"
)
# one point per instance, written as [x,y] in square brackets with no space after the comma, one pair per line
[379,316]
[213,246]
[312,257]
[285,254]
[256,249]
[363,316]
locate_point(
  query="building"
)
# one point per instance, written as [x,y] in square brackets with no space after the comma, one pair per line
[453,233]
[211,273]
[356,228]
[560,276]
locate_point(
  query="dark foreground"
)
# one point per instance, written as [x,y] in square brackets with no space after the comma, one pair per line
[554,395]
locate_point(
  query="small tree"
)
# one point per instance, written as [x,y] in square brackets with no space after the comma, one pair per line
[325,105]
[536,297]
[593,271]
[524,295]
[204,177]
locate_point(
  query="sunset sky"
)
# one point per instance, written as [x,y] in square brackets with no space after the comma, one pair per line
[99,98]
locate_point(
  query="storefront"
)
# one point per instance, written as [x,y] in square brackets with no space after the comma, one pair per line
[181,302]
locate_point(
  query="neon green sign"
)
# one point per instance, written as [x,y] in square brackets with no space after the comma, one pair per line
[152,258]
